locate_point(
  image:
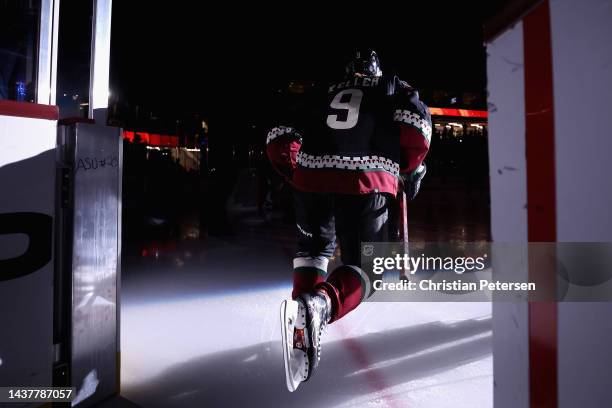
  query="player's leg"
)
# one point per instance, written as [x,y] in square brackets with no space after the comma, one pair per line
[304,317]
[315,240]
[358,219]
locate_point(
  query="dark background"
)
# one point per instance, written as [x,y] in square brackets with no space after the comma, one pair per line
[179,58]
[176,64]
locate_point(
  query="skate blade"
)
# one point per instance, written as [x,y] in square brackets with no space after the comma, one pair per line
[288,316]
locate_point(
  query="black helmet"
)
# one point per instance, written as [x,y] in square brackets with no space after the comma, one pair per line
[365,63]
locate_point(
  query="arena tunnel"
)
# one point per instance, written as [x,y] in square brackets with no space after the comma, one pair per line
[146,242]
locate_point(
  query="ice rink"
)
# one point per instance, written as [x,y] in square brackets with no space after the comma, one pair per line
[200,328]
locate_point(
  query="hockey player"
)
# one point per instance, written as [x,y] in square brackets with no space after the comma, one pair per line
[345,155]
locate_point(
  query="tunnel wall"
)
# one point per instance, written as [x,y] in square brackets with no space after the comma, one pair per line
[550,92]
[27,203]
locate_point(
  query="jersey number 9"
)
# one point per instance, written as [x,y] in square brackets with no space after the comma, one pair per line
[348,100]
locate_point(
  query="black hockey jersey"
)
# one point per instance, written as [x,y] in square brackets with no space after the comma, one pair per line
[355,137]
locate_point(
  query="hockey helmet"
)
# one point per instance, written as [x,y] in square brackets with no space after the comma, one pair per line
[364,62]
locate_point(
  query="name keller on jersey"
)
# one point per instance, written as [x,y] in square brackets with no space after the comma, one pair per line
[357,81]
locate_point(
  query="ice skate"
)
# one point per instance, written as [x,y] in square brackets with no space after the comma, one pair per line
[302,322]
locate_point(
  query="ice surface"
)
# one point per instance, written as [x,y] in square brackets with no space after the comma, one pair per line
[200,328]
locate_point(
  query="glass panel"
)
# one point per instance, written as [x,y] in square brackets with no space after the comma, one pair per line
[74,57]
[18,49]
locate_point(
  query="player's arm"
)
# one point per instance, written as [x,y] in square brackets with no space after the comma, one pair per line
[282,146]
[414,121]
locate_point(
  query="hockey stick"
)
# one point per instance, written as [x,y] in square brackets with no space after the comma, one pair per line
[403,228]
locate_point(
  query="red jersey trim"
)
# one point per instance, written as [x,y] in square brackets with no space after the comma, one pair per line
[344,181]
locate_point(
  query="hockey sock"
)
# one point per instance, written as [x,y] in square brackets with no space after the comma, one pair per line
[305,279]
[345,288]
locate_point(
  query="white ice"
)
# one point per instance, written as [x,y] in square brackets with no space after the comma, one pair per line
[200,328]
